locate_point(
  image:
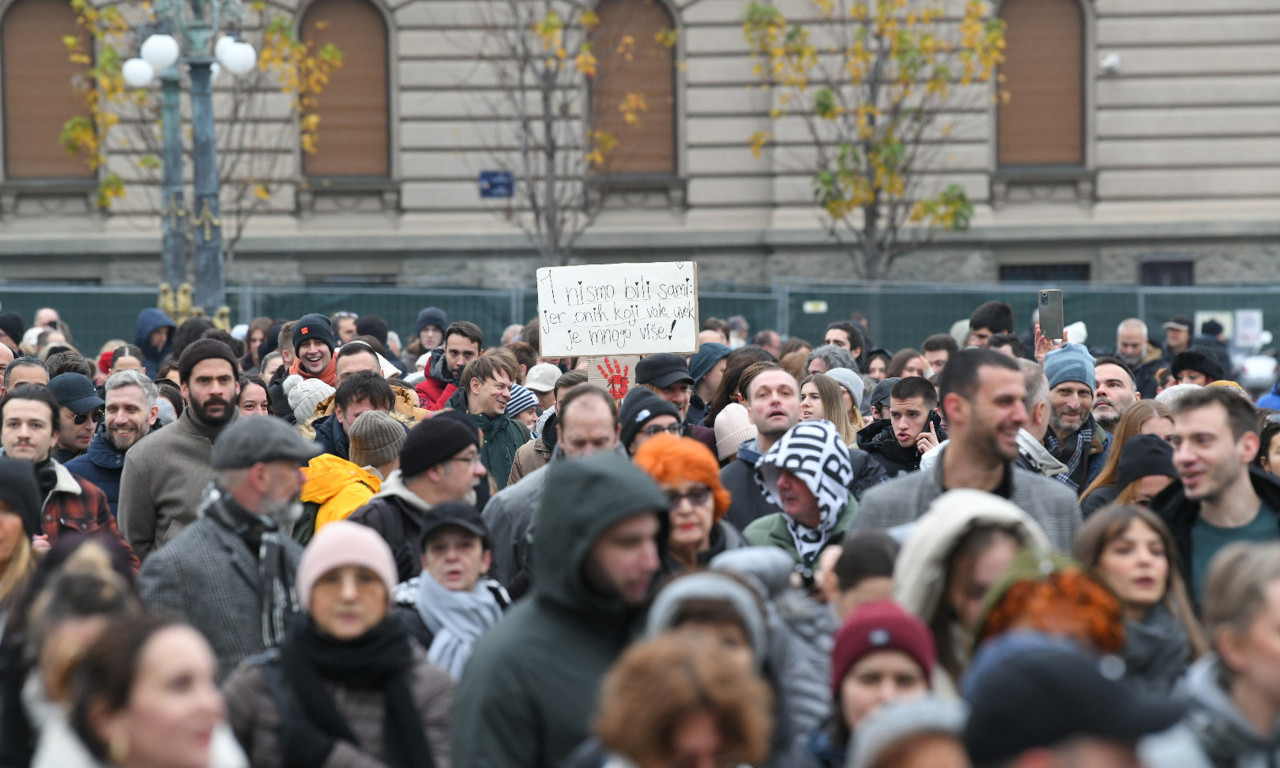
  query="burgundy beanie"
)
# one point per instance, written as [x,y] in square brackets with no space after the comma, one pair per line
[205,349]
[340,543]
[882,625]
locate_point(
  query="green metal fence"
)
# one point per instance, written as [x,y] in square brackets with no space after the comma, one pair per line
[899,315]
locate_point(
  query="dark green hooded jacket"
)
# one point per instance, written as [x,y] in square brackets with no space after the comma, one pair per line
[527,695]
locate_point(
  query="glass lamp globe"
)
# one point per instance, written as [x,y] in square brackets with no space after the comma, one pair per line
[160,51]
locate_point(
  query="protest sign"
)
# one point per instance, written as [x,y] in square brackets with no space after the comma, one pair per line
[618,309]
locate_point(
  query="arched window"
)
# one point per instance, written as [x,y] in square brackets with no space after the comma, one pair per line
[633,59]
[354,134]
[39,93]
[1042,123]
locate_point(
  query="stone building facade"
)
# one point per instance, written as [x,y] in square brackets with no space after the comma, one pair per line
[1170,176]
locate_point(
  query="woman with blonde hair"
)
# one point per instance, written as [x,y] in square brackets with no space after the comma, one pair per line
[820,399]
[1130,549]
[1145,417]
[676,701]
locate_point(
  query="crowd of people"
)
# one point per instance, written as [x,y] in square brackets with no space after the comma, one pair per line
[302,543]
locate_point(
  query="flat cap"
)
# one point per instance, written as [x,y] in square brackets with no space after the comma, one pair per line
[246,442]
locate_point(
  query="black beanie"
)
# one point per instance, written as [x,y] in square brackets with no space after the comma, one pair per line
[11,324]
[1197,359]
[639,407]
[435,441]
[18,489]
[372,325]
[1143,455]
[312,326]
[205,349]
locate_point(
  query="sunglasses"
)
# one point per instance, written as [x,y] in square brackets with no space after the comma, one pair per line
[674,429]
[95,416]
[697,496]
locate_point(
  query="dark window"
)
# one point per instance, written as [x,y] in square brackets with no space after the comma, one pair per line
[40,94]
[354,138]
[1042,123]
[632,59]
[1168,273]
[1044,273]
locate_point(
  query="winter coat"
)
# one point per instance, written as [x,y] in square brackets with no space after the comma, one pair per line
[723,538]
[905,499]
[772,531]
[103,466]
[878,440]
[151,320]
[747,502]
[1098,498]
[61,747]
[531,456]
[1144,373]
[279,400]
[438,385]
[1271,400]
[1214,733]
[1180,514]
[920,576]
[76,505]
[1099,450]
[529,691]
[163,482]
[331,437]
[338,486]
[500,436]
[398,515]
[207,577]
[255,714]
[404,409]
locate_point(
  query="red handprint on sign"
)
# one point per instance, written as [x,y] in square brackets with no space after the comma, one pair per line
[615,376]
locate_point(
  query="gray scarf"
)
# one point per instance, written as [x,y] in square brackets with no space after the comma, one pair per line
[456,620]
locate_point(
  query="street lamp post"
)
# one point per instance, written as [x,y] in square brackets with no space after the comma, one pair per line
[196,23]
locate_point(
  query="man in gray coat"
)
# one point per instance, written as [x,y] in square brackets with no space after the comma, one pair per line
[165,473]
[230,574]
[982,393]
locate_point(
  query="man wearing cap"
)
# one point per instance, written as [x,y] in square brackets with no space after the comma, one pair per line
[1041,702]
[130,409]
[80,412]
[165,475]
[527,695]
[231,573]
[312,346]
[1074,437]
[587,424]
[1177,335]
[451,604]
[541,380]
[707,369]
[773,400]
[1196,365]
[878,407]
[667,376]
[29,416]
[463,342]
[439,462]
[11,330]
[983,397]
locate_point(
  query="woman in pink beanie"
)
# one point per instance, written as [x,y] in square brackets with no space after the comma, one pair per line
[349,685]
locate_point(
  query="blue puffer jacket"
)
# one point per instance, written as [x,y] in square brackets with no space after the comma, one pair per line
[101,465]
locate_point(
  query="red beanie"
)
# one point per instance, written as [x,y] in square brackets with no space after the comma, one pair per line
[880,626]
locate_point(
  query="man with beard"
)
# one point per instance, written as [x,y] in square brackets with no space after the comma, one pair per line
[164,477]
[1135,349]
[1074,437]
[463,342]
[230,574]
[983,397]
[130,410]
[29,422]
[1114,392]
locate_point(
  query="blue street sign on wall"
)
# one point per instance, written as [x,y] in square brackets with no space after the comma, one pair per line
[497,184]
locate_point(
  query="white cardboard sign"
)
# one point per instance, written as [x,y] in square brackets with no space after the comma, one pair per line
[619,309]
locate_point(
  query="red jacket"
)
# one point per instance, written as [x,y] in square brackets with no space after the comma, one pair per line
[76,505]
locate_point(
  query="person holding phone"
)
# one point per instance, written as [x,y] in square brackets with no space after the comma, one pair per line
[1074,437]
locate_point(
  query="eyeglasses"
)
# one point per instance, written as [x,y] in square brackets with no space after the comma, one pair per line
[654,429]
[697,496]
[94,415]
[472,460]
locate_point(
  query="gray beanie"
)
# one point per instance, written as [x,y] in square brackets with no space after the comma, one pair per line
[1070,363]
[851,382]
[376,438]
[898,720]
[709,585]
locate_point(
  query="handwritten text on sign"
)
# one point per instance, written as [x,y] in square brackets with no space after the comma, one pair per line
[618,309]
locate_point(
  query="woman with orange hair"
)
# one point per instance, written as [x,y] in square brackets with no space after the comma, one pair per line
[689,474]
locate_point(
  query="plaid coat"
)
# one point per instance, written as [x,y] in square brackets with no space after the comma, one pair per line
[76,505]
